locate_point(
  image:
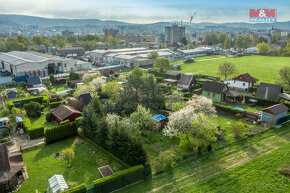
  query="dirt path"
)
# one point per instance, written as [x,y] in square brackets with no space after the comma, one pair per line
[211,59]
[234,158]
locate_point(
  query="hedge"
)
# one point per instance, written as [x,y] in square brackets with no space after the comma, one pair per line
[35,132]
[64,122]
[261,102]
[78,189]
[54,104]
[79,120]
[229,110]
[52,100]
[21,102]
[119,179]
[60,132]
[26,123]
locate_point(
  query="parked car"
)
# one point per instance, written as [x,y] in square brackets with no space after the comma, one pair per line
[189,60]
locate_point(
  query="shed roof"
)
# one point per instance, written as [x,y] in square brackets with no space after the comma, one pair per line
[214,87]
[158,117]
[57,183]
[276,109]
[105,171]
[269,91]
[11,90]
[34,80]
[63,111]
[85,98]
[174,73]
[186,80]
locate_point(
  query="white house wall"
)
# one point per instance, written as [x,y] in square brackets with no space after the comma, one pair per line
[238,84]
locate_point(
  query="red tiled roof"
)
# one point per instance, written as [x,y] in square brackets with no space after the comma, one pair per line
[246,78]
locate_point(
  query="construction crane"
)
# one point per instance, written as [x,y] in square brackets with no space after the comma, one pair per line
[193,15]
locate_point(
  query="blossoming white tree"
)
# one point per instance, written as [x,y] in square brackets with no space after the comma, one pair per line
[86,88]
[201,104]
[98,82]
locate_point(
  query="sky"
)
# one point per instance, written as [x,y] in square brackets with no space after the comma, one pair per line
[146,11]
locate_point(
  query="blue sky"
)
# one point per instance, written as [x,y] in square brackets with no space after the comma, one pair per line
[146,11]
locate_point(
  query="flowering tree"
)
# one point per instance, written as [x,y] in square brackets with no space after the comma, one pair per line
[98,82]
[201,104]
[89,77]
[86,88]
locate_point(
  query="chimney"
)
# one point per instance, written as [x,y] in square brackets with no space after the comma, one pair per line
[267,92]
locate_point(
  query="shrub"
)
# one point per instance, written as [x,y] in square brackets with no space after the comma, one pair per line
[54,104]
[4,140]
[26,123]
[4,112]
[35,132]
[49,117]
[60,132]
[33,109]
[64,122]
[238,129]
[77,189]
[164,161]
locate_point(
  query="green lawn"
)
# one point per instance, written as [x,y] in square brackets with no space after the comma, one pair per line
[196,170]
[41,164]
[264,68]
[180,62]
[260,175]
[58,88]
[246,107]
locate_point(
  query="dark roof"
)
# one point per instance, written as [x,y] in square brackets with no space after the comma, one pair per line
[246,78]
[11,90]
[276,109]
[231,93]
[4,158]
[173,73]
[186,80]
[76,103]
[74,81]
[62,112]
[214,87]
[105,171]
[85,98]
[34,80]
[272,93]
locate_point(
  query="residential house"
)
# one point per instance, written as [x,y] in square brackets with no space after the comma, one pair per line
[215,91]
[64,112]
[274,114]
[11,167]
[85,98]
[269,92]
[33,82]
[243,81]
[11,93]
[186,81]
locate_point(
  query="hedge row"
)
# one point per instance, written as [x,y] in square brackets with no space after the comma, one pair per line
[78,189]
[60,132]
[35,133]
[64,122]
[159,74]
[119,179]
[39,99]
[54,104]
[261,102]
[229,110]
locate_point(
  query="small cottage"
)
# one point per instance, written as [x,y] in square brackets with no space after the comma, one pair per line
[215,91]
[11,93]
[186,82]
[274,114]
[243,82]
[64,112]
[161,120]
[172,77]
[269,92]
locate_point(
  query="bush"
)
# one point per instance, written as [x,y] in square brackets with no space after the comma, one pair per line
[238,129]
[49,117]
[119,179]
[164,161]
[33,109]
[4,140]
[24,101]
[26,123]
[54,104]
[77,189]
[4,112]
[35,132]
[60,132]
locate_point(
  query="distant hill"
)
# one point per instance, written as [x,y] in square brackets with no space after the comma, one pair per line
[13,22]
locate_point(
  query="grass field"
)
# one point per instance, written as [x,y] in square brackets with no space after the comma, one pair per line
[194,171]
[264,68]
[41,164]
[259,175]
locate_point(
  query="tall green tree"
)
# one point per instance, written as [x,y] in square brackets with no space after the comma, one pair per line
[152,55]
[227,43]
[263,48]
[14,45]
[285,75]
[162,64]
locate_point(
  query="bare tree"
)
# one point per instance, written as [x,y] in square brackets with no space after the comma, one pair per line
[227,69]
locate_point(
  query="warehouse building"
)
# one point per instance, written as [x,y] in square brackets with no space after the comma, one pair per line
[37,64]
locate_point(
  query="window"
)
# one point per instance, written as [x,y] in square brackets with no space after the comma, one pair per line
[65,65]
[213,95]
[208,94]
[244,84]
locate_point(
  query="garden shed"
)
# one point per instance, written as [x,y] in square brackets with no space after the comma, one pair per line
[56,184]
[64,112]
[274,114]
[186,81]
[11,93]
[215,91]
[105,171]
[161,119]
[269,92]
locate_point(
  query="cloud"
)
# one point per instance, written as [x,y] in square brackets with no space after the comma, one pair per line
[141,11]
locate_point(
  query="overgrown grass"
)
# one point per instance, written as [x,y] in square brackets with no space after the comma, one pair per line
[264,68]
[198,169]
[41,164]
